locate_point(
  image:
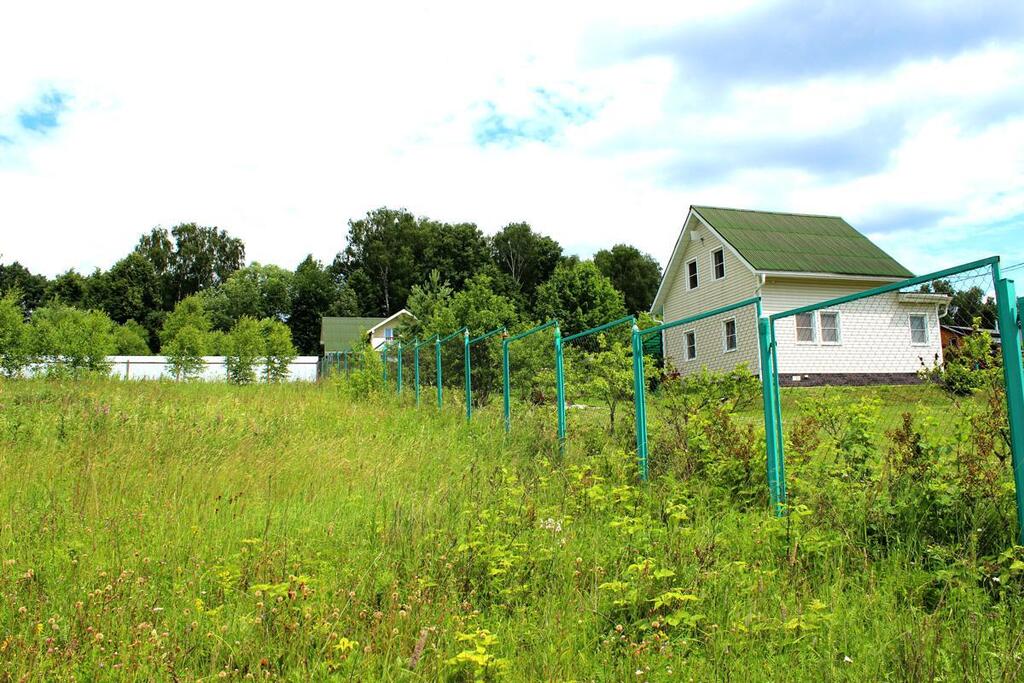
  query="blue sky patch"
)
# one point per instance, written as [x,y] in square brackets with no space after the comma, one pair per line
[552,114]
[44,115]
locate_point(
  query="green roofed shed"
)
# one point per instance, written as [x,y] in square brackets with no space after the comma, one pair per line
[343,334]
[800,243]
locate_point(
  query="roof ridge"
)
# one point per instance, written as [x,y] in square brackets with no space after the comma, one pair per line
[776,213]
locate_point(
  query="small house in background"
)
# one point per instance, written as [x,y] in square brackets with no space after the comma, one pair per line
[953,334]
[723,256]
[344,334]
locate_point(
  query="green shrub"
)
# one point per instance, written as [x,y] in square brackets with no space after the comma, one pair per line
[71,341]
[245,345]
[130,339]
[185,352]
[968,364]
[14,339]
[278,349]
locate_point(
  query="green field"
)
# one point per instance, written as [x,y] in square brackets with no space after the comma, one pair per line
[154,530]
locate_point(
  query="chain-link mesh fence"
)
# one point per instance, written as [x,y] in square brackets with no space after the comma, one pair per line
[528,368]
[704,404]
[895,384]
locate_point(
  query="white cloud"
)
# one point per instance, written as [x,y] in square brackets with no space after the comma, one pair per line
[279,124]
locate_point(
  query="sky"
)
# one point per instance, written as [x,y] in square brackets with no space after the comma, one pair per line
[596,123]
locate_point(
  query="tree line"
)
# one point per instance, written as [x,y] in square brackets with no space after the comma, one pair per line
[391,260]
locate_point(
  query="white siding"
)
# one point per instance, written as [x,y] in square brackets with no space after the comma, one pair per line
[874,332]
[680,302]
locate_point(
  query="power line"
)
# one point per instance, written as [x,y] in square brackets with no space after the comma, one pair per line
[1014,266]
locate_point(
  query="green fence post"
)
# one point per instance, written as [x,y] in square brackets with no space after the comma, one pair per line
[1010,339]
[506,392]
[437,365]
[640,402]
[416,370]
[398,373]
[764,337]
[469,384]
[780,445]
[560,388]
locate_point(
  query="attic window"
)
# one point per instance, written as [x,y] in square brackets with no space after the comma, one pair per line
[691,274]
[718,263]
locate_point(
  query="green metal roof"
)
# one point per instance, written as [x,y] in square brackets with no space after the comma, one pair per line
[800,243]
[342,334]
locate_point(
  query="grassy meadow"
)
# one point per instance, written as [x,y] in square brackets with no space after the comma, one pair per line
[161,531]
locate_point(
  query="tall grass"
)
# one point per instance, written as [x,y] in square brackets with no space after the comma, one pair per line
[156,530]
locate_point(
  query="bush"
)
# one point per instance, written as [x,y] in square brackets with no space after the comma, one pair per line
[185,352]
[130,339]
[968,365]
[278,349]
[244,346]
[189,312]
[71,341]
[14,351]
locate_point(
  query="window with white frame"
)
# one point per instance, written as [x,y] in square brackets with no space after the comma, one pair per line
[718,263]
[691,274]
[691,345]
[829,327]
[805,328]
[919,329]
[389,333]
[729,330]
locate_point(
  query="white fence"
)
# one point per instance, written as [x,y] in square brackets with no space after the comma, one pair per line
[303,368]
[156,367]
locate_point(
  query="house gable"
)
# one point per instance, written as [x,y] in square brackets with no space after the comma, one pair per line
[698,244]
[784,244]
[697,240]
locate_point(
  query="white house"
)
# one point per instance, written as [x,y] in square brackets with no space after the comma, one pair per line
[723,256]
[384,331]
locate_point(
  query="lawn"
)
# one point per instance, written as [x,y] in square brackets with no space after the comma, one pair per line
[154,530]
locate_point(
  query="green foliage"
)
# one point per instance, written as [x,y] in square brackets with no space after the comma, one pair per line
[29,288]
[190,258]
[579,297]
[607,374]
[258,291]
[527,258]
[695,431]
[314,294]
[245,346]
[70,341]
[389,251]
[129,290]
[189,312]
[185,352]
[130,339]
[291,532]
[477,307]
[367,375]
[14,338]
[968,364]
[278,349]
[634,273]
